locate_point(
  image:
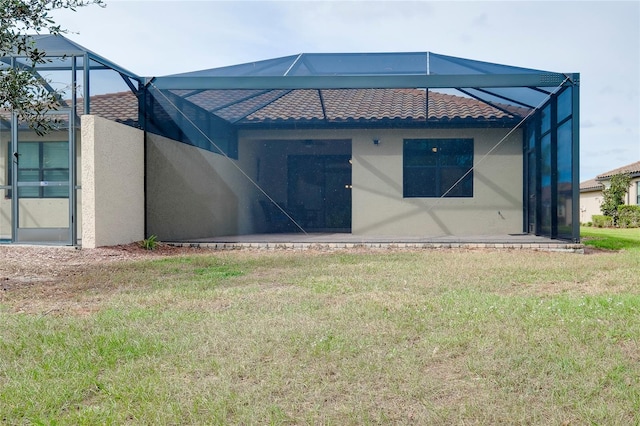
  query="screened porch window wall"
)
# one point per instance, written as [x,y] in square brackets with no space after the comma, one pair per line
[551,164]
[172,114]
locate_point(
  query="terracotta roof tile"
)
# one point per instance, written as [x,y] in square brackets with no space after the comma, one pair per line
[341,105]
[633,168]
[590,185]
[212,100]
[374,104]
[311,105]
[121,107]
[239,110]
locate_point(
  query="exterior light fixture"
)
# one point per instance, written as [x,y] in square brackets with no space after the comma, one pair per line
[376,141]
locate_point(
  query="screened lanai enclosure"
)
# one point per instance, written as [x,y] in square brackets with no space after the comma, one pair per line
[40,183]
[367,144]
[379,143]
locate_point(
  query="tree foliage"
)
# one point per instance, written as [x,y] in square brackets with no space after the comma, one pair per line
[613,196]
[22,89]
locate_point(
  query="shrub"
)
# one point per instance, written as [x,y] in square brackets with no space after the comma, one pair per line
[602,221]
[628,216]
[149,243]
[613,195]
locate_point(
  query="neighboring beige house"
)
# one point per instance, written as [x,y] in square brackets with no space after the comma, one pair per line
[591,190]
[590,199]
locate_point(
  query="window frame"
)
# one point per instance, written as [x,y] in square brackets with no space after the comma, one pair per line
[43,192]
[442,172]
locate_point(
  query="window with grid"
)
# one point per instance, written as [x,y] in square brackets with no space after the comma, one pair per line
[46,163]
[438,168]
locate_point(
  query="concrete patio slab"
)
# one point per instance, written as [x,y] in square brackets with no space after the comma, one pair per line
[301,241]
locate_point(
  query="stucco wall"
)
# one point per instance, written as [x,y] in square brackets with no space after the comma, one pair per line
[112,183]
[590,205]
[377,195]
[632,193]
[193,193]
[495,208]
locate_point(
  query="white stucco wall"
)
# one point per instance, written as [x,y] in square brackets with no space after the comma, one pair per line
[112,183]
[590,205]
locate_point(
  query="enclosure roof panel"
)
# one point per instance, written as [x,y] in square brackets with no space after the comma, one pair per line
[342,64]
[60,46]
[489,82]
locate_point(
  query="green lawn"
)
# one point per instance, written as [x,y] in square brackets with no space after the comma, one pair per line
[611,238]
[335,338]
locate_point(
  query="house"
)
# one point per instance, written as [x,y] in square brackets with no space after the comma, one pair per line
[376,144]
[591,190]
[590,199]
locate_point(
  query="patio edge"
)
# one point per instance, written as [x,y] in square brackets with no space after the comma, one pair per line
[547,247]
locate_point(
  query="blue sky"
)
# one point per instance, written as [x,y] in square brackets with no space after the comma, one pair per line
[598,39]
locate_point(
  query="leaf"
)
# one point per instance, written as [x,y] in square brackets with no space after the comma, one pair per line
[22,90]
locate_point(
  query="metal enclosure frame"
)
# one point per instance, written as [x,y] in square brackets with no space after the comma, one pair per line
[493,84]
[76,59]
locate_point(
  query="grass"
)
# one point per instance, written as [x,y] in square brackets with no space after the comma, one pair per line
[611,238]
[371,337]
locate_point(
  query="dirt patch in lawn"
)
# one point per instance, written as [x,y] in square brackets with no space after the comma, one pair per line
[25,265]
[31,276]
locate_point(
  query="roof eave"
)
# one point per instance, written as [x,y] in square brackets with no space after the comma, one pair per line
[378,123]
[632,174]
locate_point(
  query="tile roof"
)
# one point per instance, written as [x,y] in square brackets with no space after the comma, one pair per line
[314,106]
[590,185]
[344,105]
[121,107]
[633,169]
